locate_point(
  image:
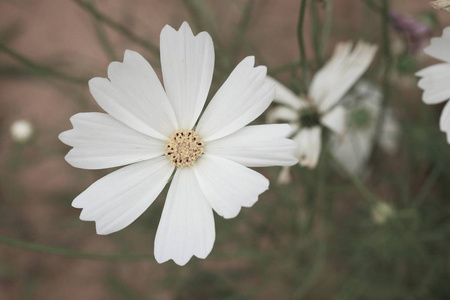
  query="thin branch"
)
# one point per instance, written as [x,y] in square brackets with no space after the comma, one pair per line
[70,253]
[104,40]
[315,28]
[388,64]
[301,44]
[37,68]
[117,26]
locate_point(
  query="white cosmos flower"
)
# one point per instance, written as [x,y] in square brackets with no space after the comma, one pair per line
[435,79]
[364,108]
[320,108]
[154,131]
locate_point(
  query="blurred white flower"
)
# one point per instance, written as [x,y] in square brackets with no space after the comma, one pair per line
[364,107]
[321,108]
[21,131]
[435,79]
[285,176]
[154,131]
[441,4]
[381,212]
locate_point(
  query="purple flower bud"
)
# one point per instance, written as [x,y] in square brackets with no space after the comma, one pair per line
[416,34]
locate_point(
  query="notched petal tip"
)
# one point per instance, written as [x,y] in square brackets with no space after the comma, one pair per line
[97,82]
[249,61]
[185,28]
[64,135]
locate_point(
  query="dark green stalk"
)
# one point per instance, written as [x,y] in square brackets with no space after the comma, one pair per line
[315,28]
[328,23]
[117,26]
[388,64]
[301,44]
[39,69]
[70,253]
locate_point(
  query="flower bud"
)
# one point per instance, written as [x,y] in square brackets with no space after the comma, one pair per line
[21,131]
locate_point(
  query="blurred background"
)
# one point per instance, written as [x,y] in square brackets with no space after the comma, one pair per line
[315,238]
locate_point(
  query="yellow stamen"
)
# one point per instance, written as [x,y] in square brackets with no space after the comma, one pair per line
[183,148]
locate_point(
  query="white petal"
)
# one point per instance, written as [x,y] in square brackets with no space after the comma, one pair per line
[100,141]
[256,146]
[285,96]
[352,150]
[435,83]
[335,119]
[346,66]
[440,46]
[135,97]
[228,185]
[119,198]
[187,63]
[434,70]
[444,122]
[243,97]
[186,227]
[309,145]
[281,113]
[390,132]
[285,176]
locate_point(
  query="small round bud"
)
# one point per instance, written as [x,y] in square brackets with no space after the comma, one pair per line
[21,131]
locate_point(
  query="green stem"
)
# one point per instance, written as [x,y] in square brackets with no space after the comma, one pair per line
[357,183]
[327,26]
[315,26]
[388,64]
[301,44]
[117,26]
[430,181]
[39,69]
[70,253]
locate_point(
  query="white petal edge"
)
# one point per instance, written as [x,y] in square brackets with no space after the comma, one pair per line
[242,98]
[99,141]
[281,113]
[352,150]
[341,72]
[390,133]
[444,122]
[187,63]
[186,227]
[285,96]
[134,96]
[285,176]
[227,185]
[256,146]
[309,146]
[435,83]
[119,198]
[335,119]
[439,47]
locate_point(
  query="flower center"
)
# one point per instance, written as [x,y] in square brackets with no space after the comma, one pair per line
[183,148]
[309,117]
[360,118]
